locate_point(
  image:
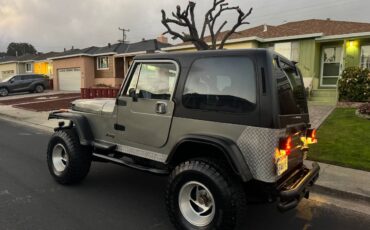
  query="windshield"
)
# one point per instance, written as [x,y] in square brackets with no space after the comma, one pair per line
[7,79]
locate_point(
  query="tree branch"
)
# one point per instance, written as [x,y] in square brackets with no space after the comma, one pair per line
[242,16]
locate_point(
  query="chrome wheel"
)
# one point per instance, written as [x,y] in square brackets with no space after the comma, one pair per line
[60,158]
[197,204]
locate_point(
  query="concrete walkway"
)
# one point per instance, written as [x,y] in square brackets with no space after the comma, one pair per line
[318,114]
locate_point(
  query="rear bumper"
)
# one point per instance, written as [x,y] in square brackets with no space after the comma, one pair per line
[297,186]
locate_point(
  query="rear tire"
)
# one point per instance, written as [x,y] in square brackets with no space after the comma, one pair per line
[4,92]
[220,203]
[68,161]
[39,88]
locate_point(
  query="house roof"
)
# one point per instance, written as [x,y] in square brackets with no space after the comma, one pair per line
[118,48]
[305,27]
[23,58]
[7,59]
[45,56]
[146,45]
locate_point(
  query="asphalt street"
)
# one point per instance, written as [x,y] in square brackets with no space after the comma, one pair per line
[113,197]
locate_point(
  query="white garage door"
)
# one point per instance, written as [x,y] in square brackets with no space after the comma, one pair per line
[69,79]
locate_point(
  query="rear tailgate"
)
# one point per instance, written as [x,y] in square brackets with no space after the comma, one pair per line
[293,110]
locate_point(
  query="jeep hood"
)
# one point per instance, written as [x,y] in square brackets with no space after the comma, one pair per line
[97,106]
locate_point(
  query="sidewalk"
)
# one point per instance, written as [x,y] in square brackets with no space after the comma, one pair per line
[338,181]
[347,182]
[26,117]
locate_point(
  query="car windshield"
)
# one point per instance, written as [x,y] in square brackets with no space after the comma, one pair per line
[7,79]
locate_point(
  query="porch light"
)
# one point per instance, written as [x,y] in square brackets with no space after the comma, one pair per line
[352,44]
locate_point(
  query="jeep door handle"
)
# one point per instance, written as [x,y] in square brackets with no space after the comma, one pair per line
[161,108]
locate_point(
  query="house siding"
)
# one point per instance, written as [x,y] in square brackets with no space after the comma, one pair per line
[352,53]
[42,68]
[307,58]
[4,68]
[106,73]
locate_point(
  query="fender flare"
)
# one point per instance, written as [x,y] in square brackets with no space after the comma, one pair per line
[228,147]
[80,122]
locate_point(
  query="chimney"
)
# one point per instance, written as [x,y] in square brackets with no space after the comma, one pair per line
[264,27]
[64,50]
[109,45]
[162,39]
[327,19]
[143,39]
[72,48]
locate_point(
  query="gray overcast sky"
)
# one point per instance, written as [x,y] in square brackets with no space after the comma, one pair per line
[51,25]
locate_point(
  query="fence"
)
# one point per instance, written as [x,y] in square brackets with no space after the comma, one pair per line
[87,93]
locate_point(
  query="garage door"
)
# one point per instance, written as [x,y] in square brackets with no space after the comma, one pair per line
[69,79]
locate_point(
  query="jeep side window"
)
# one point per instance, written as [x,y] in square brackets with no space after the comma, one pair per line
[221,84]
[291,91]
[156,81]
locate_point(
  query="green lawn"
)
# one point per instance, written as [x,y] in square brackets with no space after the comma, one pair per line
[343,139]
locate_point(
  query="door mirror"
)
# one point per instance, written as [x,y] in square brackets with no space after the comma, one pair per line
[11,81]
[132,93]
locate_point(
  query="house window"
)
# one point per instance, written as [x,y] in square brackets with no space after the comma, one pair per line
[28,67]
[289,50]
[102,63]
[365,57]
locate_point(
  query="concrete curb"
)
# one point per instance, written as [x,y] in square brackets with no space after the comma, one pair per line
[26,123]
[319,189]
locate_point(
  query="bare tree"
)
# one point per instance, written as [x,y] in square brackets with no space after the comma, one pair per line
[185,18]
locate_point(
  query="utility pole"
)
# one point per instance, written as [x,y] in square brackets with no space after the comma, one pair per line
[123,34]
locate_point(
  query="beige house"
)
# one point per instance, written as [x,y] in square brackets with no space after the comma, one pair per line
[16,65]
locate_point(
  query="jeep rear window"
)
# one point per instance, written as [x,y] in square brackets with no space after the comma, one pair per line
[221,84]
[291,92]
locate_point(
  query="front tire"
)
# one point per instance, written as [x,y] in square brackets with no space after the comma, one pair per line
[68,161]
[4,92]
[204,195]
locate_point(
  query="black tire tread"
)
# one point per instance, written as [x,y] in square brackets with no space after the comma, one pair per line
[223,177]
[80,157]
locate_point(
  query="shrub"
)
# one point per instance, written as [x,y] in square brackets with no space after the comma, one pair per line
[364,109]
[354,84]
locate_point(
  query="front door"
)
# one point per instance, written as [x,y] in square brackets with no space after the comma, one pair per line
[331,64]
[145,106]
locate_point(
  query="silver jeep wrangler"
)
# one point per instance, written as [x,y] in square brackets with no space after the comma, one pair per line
[219,123]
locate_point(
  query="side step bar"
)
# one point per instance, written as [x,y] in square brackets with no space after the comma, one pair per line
[132,165]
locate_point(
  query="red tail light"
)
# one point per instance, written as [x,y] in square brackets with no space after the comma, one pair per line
[286,144]
[311,135]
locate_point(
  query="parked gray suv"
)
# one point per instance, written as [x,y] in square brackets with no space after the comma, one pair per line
[24,83]
[220,123]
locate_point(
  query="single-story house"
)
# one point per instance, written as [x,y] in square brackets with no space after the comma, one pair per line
[322,48]
[97,66]
[16,65]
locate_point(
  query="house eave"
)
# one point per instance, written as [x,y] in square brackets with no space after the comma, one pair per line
[294,37]
[71,56]
[343,36]
[104,54]
[134,53]
[252,38]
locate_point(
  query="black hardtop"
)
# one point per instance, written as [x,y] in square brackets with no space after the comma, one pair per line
[204,53]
